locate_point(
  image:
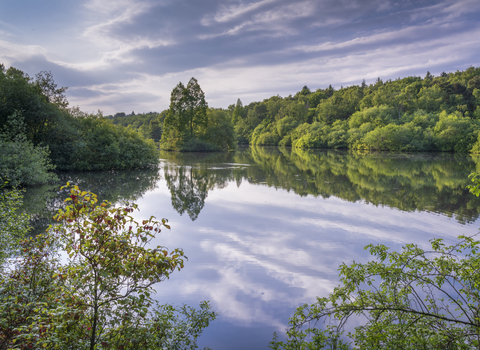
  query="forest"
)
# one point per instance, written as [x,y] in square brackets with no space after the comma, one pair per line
[434,113]
[39,133]
[410,114]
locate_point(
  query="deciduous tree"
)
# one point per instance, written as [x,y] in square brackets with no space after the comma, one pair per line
[101,297]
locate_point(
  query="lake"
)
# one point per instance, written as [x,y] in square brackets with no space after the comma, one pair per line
[265,229]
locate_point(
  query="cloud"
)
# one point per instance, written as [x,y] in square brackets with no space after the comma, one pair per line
[246,49]
[11,52]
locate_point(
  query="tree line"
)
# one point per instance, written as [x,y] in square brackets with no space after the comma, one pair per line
[434,113]
[411,114]
[39,132]
[439,113]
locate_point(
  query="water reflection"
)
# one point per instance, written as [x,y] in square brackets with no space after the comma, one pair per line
[190,176]
[42,202]
[409,182]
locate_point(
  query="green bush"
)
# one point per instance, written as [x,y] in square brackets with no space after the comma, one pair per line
[455,133]
[393,138]
[377,116]
[21,162]
[100,145]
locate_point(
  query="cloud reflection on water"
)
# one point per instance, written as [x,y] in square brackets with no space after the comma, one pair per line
[257,252]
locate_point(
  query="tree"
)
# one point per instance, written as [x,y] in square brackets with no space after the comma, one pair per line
[45,83]
[187,108]
[196,107]
[101,298]
[191,126]
[413,299]
[237,112]
[155,130]
[41,107]
[19,93]
[305,91]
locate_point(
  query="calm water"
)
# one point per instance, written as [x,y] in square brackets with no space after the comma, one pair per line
[265,229]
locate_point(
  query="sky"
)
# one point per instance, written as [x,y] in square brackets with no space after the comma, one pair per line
[128,55]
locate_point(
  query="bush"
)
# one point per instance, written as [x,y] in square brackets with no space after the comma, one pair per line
[393,138]
[455,133]
[99,295]
[378,116]
[22,163]
[100,145]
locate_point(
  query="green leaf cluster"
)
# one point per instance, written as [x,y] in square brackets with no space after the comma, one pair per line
[14,225]
[22,163]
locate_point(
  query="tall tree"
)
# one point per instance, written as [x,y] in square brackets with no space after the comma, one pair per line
[237,112]
[187,116]
[196,106]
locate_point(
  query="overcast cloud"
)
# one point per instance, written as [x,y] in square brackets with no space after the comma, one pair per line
[124,55]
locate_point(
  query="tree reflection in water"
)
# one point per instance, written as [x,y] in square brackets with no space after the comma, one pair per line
[42,202]
[409,182]
[190,176]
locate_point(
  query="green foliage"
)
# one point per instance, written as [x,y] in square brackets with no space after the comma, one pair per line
[13,225]
[220,132]
[455,133]
[191,126]
[186,115]
[378,116]
[155,131]
[149,125]
[39,101]
[414,299]
[340,106]
[100,145]
[22,163]
[101,297]
[53,134]
[393,138]
[237,112]
[383,110]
